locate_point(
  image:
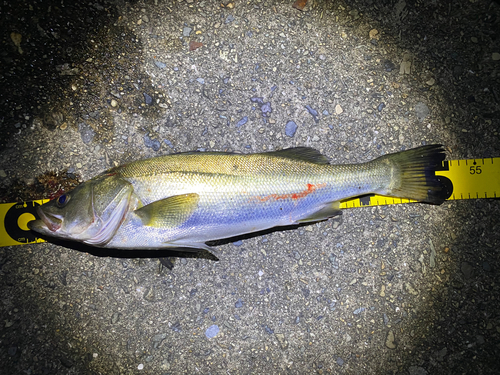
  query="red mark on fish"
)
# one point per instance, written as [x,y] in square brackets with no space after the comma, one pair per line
[310,188]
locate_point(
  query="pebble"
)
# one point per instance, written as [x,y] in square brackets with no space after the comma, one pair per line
[186,31]
[389,66]
[338,109]
[86,132]
[268,330]
[157,339]
[359,311]
[340,361]
[200,80]
[290,128]
[114,103]
[333,260]
[313,112]
[239,303]
[2,173]
[389,341]
[266,109]
[151,143]
[140,367]
[380,107]
[147,99]
[160,65]
[229,19]
[422,111]
[212,331]
[242,122]
[386,319]
[495,56]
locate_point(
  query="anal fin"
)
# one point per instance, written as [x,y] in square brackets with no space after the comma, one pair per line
[330,210]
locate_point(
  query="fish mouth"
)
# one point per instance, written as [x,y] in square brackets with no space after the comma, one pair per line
[52,222]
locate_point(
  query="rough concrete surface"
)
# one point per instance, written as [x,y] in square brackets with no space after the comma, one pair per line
[408,289]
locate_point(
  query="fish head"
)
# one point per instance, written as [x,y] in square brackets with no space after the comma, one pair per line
[91,213]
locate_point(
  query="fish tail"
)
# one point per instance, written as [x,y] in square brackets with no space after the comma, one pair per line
[413,174]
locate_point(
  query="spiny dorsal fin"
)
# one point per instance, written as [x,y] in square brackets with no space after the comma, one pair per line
[306,154]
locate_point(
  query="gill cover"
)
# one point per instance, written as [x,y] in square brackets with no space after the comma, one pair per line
[90,213]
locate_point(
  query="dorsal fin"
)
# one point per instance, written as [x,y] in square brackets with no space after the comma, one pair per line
[306,154]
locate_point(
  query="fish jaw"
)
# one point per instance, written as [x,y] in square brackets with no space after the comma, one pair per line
[47,223]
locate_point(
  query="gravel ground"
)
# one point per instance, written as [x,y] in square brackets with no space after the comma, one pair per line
[409,289]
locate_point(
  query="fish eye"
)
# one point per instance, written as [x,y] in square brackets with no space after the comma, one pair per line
[62,200]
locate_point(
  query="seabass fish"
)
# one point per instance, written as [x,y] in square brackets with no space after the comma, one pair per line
[184,200]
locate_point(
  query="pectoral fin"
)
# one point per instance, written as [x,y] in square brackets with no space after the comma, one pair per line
[330,210]
[168,212]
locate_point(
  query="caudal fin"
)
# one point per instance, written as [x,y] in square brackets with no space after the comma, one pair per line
[413,174]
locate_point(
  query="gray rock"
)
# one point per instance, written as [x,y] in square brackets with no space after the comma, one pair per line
[290,128]
[212,331]
[86,132]
[422,111]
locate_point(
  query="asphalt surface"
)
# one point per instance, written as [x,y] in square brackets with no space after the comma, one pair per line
[408,289]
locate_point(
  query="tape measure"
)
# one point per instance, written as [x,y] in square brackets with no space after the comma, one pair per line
[463,179]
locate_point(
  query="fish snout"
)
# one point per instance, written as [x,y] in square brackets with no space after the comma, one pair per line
[52,222]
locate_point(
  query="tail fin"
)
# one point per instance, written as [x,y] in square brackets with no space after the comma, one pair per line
[413,174]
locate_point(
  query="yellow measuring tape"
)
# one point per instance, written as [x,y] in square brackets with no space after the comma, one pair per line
[464,179]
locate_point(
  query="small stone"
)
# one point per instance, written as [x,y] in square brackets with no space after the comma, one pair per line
[114,103]
[212,331]
[299,4]
[495,56]
[338,109]
[373,34]
[390,340]
[340,361]
[313,112]
[422,111]
[160,65]
[200,80]
[359,311]
[382,291]
[194,45]
[186,31]
[239,303]
[2,173]
[147,98]
[290,128]
[140,367]
[431,81]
